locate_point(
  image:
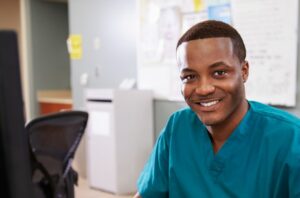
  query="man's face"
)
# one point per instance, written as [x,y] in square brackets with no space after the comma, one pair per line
[212,79]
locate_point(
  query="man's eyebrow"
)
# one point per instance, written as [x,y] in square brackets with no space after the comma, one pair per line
[217,64]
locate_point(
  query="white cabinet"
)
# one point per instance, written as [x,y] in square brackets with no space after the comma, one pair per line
[119,137]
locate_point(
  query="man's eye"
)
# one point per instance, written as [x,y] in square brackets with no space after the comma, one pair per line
[187,78]
[220,73]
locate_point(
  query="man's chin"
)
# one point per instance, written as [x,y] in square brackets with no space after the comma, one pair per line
[209,121]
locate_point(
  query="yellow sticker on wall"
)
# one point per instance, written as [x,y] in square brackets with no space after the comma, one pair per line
[75,46]
[198,5]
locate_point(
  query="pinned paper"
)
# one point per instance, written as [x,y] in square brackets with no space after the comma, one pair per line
[74,44]
[198,5]
[102,117]
[220,13]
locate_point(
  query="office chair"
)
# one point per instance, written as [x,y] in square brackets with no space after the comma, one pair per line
[54,139]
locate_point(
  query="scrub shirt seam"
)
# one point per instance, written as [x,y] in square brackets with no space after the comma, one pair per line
[270,115]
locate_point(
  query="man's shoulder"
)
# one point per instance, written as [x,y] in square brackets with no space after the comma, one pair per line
[183,119]
[184,111]
[274,115]
[278,130]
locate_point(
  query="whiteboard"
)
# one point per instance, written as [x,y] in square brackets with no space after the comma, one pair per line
[268,28]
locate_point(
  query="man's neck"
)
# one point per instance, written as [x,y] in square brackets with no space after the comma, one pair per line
[221,132]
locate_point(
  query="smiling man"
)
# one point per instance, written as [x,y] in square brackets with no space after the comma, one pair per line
[222,145]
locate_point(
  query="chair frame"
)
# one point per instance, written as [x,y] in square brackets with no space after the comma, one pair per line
[51,189]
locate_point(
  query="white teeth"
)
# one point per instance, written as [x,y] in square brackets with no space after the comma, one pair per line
[208,104]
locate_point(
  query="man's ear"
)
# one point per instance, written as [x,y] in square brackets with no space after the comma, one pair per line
[245,70]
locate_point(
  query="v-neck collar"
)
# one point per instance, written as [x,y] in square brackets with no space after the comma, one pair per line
[216,161]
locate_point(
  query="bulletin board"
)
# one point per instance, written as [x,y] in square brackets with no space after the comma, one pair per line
[268,27]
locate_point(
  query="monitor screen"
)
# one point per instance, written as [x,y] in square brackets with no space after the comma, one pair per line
[14,151]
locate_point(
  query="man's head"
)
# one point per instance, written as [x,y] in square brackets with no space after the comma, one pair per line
[214,29]
[211,57]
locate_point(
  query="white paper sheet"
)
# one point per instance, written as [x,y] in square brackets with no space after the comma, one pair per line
[99,123]
[269,29]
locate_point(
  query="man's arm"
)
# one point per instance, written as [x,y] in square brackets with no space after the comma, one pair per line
[154,179]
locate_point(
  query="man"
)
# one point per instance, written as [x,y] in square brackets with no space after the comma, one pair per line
[222,145]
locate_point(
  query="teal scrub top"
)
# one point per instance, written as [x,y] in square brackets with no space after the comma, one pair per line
[261,158]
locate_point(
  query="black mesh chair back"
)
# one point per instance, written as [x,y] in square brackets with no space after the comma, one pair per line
[54,139]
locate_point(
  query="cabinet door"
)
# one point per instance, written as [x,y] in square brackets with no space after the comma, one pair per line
[101,147]
[46,108]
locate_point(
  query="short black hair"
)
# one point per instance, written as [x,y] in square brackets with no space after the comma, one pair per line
[212,29]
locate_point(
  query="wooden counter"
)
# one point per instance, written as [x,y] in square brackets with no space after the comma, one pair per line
[51,101]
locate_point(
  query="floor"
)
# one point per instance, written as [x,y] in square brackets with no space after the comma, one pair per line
[84,191]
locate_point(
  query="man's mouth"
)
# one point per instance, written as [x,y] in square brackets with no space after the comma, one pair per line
[208,104]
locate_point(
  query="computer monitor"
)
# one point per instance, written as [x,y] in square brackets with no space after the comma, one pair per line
[15,168]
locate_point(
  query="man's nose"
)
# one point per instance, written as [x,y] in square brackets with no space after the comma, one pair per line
[205,88]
